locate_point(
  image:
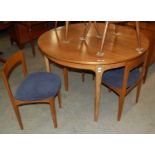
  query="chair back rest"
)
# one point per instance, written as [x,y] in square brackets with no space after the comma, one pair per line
[135,63]
[139,61]
[11,63]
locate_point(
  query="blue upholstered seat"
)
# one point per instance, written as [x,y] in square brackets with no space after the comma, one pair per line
[114,77]
[38,86]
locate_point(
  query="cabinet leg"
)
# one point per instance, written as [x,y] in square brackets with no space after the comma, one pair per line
[2,60]
[33,49]
[31,40]
[11,41]
[21,46]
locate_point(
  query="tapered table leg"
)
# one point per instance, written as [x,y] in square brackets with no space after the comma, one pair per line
[99,72]
[139,49]
[86,30]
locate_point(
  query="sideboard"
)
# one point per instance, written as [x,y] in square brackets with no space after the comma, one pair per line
[23,32]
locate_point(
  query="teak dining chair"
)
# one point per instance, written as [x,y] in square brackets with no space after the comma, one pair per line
[38,87]
[122,80]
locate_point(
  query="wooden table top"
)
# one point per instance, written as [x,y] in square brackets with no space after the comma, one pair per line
[117,48]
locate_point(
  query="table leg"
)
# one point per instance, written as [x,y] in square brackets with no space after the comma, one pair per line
[99,72]
[139,49]
[47,64]
[66,79]
[86,30]
[66,30]
[96,28]
[138,34]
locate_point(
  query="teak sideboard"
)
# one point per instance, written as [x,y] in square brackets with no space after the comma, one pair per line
[23,32]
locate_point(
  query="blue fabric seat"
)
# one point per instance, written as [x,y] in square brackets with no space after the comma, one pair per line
[38,86]
[114,77]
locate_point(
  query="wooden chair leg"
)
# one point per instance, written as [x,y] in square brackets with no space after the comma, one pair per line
[59,99]
[120,107]
[138,91]
[53,111]
[83,77]
[18,117]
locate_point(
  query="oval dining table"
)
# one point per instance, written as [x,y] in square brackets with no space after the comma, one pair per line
[79,53]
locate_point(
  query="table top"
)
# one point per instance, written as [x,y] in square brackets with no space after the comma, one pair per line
[117,48]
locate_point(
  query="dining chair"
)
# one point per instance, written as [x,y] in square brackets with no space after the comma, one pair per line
[122,80]
[37,87]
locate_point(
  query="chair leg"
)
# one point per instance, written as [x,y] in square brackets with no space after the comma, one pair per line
[59,99]
[53,111]
[138,91]
[120,107]
[83,77]
[18,117]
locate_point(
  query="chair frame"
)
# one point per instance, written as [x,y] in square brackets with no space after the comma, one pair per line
[12,62]
[123,91]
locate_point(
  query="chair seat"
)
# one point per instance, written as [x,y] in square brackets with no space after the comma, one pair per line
[114,77]
[38,86]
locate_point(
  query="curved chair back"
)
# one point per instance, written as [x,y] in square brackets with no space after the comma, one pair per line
[12,62]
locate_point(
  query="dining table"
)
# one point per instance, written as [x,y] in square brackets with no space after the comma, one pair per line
[76,52]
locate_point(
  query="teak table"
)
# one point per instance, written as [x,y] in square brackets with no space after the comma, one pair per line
[82,54]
